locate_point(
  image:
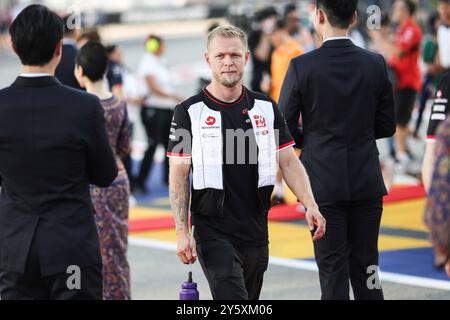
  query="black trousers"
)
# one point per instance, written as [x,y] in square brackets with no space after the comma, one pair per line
[157,126]
[32,285]
[128,163]
[233,273]
[404,105]
[349,249]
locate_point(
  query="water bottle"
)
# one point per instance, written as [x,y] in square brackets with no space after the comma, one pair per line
[189,290]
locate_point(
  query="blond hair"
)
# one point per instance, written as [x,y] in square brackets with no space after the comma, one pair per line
[227,32]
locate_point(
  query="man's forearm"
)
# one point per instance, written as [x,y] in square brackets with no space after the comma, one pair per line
[297,179]
[179,201]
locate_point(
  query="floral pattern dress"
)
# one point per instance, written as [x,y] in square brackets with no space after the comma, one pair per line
[437,216]
[111,206]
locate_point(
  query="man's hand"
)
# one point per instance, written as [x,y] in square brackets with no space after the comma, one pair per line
[314,217]
[186,250]
[297,179]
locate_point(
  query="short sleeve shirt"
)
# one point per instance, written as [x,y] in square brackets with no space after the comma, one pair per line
[243,223]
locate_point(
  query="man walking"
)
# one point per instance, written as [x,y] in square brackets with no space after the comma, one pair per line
[346,102]
[231,138]
[53,145]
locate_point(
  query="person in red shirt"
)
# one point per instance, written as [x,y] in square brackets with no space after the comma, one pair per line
[403,57]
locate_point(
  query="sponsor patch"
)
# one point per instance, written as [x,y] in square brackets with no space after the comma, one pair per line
[210,121]
[438,116]
[439,108]
[260,121]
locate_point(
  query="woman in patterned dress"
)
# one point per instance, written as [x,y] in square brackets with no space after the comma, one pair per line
[437,216]
[111,204]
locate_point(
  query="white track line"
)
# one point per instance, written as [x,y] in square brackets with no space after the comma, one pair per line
[310,266]
[384,276]
[155,244]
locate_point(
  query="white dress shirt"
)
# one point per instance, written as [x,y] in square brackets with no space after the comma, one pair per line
[35,75]
[336,38]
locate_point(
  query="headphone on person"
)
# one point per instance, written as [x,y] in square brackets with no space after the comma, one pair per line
[153,44]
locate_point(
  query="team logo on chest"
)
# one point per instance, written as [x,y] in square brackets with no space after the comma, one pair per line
[260,121]
[210,121]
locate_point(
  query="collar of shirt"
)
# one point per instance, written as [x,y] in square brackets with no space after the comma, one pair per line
[69,41]
[35,75]
[336,38]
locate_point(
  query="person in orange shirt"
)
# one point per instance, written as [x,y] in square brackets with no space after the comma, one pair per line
[285,49]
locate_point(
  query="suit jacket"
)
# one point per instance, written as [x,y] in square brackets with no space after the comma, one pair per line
[65,70]
[346,102]
[53,145]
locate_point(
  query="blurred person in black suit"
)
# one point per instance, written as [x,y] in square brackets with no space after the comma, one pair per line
[346,101]
[65,70]
[53,145]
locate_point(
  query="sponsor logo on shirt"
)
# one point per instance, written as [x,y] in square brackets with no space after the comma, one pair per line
[262,133]
[408,35]
[210,136]
[210,121]
[260,121]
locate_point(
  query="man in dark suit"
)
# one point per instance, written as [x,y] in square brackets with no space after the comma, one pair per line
[65,70]
[53,145]
[346,102]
